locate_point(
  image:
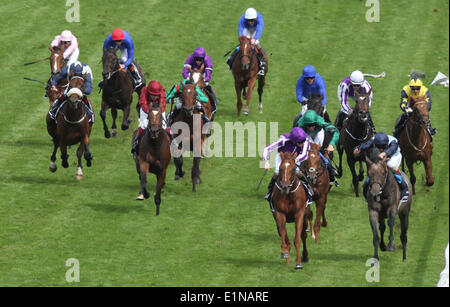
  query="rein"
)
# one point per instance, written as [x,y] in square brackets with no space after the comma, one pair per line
[74,122]
[358,139]
[289,186]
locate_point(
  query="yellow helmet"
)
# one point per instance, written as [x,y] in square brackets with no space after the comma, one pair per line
[415,82]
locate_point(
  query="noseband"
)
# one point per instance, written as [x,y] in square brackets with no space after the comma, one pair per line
[282,187]
[382,185]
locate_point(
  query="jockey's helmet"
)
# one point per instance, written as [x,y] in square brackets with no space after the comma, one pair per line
[250,13]
[66,36]
[309,71]
[77,68]
[154,88]
[381,140]
[117,35]
[416,82]
[199,53]
[357,77]
[309,118]
[297,135]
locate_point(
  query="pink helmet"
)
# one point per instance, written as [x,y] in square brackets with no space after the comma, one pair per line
[66,36]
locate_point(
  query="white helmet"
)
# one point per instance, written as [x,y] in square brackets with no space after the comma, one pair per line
[357,77]
[250,13]
[66,36]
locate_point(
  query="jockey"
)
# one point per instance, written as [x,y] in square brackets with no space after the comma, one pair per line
[346,89]
[200,60]
[177,91]
[315,127]
[122,39]
[415,89]
[251,25]
[152,93]
[294,142]
[70,41]
[310,82]
[389,149]
[78,69]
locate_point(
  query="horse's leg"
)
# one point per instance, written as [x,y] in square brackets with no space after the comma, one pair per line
[64,155]
[361,171]
[179,173]
[298,233]
[261,82]
[320,209]
[103,116]
[308,217]
[373,217]
[161,178]
[251,86]
[143,168]
[428,171]
[351,165]
[126,121]
[195,173]
[391,213]
[79,173]
[340,150]
[382,226]
[87,152]
[410,165]
[404,220]
[53,166]
[237,87]
[285,244]
[114,126]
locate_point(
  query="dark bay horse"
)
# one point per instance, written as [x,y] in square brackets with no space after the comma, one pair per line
[314,103]
[355,131]
[316,174]
[117,91]
[383,198]
[245,73]
[416,143]
[72,127]
[57,63]
[189,117]
[154,155]
[289,201]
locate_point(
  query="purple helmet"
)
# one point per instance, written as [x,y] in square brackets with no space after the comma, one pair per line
[199,53]
[297,135]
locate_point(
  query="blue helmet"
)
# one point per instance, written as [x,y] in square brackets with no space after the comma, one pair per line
[309,71]
[381,139]
[76,68]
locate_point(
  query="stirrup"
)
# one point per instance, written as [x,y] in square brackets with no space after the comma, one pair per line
[261,72]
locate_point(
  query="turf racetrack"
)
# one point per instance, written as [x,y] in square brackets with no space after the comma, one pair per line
[224,234]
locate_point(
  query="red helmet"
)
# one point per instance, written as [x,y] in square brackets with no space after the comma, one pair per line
[117,35]
[154,88]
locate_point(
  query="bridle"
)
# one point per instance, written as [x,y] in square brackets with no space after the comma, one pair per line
[382,185]
[313,174]
[423,122]
[154,133]
[109,74]
[288,187]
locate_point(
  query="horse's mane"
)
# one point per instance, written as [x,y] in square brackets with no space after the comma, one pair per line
[189,82]
[374,154]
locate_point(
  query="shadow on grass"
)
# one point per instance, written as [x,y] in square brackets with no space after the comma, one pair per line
[110,208]
[40,180]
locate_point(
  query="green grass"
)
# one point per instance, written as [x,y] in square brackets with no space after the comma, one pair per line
[223,235]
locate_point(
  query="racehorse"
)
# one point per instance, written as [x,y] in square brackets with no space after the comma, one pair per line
[316,174]
[72,127]
[196,77]
[416,143]
[117,91]
[245,72]
[289,201]
[189,115]
[314,103]
[355,131]
[383,198]
[57,63]
[154,155]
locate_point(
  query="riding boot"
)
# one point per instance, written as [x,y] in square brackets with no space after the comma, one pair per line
[404,192]
[88,108]
[332,173]
[55,107]
[372,125]
[339,120]
[432,131]
[326,117]
[212,96]
[399,126]
[137,142]
[365,187]
[262,64]
[230,59]
[137,80]
[269,193]
[100,84]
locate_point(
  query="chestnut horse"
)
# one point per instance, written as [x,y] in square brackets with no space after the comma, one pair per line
[117,91]
[355,131]
[245,72]
[316,174]
[383,198]
[57,63]
[196,77]
[72,127]
[189,117]
[289,201]
[415,141]
[154,155]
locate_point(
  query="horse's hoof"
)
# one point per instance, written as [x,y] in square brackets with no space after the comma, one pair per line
[52,167]
[360,177]
[114,133]
[89,163]
[107,134]
[78,177]
[245,112]
[65,164]
[196,180]
[140,197]
[429,184]
[298,266]
[391,248]
[284,255]
[146,194]
[124,127]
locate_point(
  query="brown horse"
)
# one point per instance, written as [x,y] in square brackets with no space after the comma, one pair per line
[245,72]
[154,155]
[383,198]
[189,117]
[316,173]
[415,142]
[355,131]
[117,91]
[57,63]
[196,77]
[72,127]
[289,201]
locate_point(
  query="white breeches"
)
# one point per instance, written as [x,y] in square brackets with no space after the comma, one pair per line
[318,138]
[278,163]
[305,108]
[247,33]
[73,57]
[394,162]
[143,120]
[123,55]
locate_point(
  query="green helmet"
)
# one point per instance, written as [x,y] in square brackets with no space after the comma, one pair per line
[310,117]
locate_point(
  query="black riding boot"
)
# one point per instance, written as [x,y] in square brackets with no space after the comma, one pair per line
[269,193]
[432,131]
[230,59]
[404,191]
[333,173]
[372,125]
[55,107]
[213,98]
[262,64]
[137,80]
[339,120]
[136,143]
[399,126]
[172,116]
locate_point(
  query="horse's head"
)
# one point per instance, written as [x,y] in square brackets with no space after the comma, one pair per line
[196,76]
[76,81]
[189,98]
[57,61]
[362,106]
[378,173]
[420,111]
[313,166]
[245,49]
[74,96]
[154,126]
[315,103]
[287,173]
[110,62]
